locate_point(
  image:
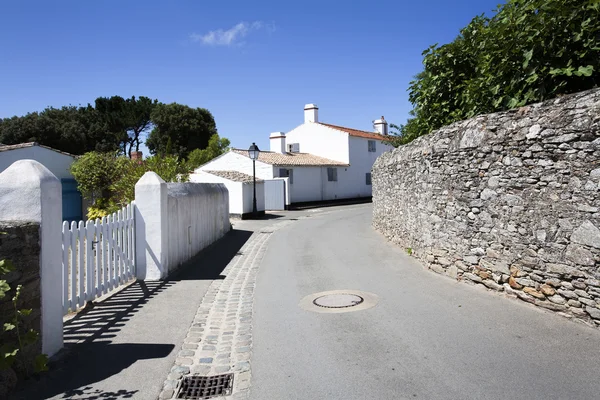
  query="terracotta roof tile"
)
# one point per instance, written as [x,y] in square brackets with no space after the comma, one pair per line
[356,132]
[235,176]
[293,159]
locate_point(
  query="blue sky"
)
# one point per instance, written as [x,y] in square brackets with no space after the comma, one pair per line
[253,64]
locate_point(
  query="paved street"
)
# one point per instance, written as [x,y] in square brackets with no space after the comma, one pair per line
[428,337]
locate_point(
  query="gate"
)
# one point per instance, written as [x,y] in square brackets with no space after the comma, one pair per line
[71,201]
[98,257]
[275,194]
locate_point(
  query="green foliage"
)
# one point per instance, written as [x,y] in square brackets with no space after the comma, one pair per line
[108,179]
[187,128]
[14,342]
[216,147]
[529,51]
[95,173]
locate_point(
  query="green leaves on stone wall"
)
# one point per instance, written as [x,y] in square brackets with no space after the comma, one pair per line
[529,51]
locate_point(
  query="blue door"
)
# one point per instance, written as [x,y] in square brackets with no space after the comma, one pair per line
[71,201]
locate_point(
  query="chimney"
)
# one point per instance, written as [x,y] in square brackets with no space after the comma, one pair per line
[311,113]
[277,140]
[136,155]
[381,126]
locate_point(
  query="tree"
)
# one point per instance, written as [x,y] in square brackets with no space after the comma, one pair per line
[216,147]
[188,128]
[529,51]
[127,119]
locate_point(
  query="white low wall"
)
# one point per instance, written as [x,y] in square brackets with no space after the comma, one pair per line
[197,216]
[236,203]
[175,221]
[248,196]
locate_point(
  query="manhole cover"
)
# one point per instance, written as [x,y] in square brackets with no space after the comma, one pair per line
[338,300]
[205,387]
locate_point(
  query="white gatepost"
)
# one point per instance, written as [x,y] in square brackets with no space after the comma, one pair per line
[151,228]
[29,192]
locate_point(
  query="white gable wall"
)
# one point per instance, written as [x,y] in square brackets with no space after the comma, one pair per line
[57,163]
[320,140]
[231,161]
[361,162]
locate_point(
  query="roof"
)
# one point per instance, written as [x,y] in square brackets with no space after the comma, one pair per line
[7,147]
[293,159]
[356,132]
[235,176]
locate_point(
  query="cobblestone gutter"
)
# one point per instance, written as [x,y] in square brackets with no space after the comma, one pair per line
[220,338]
[508,200]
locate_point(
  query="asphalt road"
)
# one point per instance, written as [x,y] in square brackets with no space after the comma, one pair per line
[428,337]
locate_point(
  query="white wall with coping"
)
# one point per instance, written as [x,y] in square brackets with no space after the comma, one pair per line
[236,201]
[197,216]
[320,140]
[29,192]
[232,161]
[151,240]
[57,163]
[175,221]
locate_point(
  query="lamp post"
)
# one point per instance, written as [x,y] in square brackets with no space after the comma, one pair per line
[253,153]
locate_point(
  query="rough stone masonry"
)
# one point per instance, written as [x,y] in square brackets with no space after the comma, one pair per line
[509,200]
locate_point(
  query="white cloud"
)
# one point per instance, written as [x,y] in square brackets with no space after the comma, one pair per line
[231,36]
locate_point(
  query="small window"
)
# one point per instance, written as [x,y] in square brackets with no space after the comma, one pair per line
[332,174]
[368,178]
[371,146]
[287,173]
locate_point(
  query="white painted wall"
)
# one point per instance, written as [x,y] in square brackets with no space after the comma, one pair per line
[236,201]
[249,197]
[197,216]
[57,163]
[306,185]
[30,192]
[361,162]
[320,140]
[151,240]
[231,161]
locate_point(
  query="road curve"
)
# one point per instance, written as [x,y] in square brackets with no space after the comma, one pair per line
[428,337]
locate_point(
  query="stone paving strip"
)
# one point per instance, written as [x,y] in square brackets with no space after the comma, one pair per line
[219,340]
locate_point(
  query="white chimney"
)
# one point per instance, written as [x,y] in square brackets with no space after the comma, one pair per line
[381,126]
[311,113]
[277,140]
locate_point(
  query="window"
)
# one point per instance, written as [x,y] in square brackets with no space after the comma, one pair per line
[371,146]
[287,173]
[368,178]
[332,174]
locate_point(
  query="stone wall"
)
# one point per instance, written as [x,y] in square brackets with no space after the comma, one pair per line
[20,243]
[508,200]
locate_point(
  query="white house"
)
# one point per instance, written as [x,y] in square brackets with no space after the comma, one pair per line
[57,162]
[240,188]
[323,161]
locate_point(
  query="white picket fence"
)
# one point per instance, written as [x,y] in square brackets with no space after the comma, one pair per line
[98,257]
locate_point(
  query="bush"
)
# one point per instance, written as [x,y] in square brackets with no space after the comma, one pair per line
[108,180]
[529,51]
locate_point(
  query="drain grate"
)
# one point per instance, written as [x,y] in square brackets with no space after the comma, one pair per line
[205,387]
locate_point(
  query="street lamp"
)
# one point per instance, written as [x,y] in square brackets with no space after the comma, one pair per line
[253,153]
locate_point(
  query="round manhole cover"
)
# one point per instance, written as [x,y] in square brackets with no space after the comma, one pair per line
[338,300]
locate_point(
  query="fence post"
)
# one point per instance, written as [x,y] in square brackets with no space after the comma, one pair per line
[151,228]
[30,193]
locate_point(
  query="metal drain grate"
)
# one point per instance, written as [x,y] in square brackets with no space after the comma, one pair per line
[205,387]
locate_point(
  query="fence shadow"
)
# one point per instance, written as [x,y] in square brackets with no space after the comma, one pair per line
[90,356]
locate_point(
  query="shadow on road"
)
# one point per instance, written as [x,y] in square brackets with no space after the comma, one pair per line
[90,356]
